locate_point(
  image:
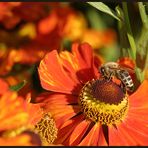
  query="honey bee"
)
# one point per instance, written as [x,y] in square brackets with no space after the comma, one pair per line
[113,69]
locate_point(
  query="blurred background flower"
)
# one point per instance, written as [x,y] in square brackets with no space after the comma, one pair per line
[16,118]
[44,27]
[23,122]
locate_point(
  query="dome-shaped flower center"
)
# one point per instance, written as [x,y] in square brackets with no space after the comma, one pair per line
[103,101]
[107,91]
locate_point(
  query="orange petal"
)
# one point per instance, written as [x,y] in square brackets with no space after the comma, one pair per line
[138,99]
[48,24]
[136,131]
[126,62]
[70,65]
[83,54]
[95,137]
[13,112]
[34,110]
[60,120]
[138,106]
[78,133]
[53,77]
[57,98]
[67,128]
[64,113]
[3,86]
[135,115]
[69,69]
[118,138]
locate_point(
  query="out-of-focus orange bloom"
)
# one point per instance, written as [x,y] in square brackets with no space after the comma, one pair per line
[3,87]
[12,110]
[74,27]
[69,23]
[7,18]
[12,13]
[43,30]
[17,115]
[6,8]
[9,57]
[24,139]
[99,39]
[127,62]
[88,109]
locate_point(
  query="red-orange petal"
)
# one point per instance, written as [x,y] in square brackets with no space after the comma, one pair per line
[53,76]
[118,138]
[95,137]
[67,128]
[57,98]
[63,113]
[134,131]
[79,132]
[126,62]
[34,110]
[3,86]
[84,55]
[69,71]
[138,104]
[139,98]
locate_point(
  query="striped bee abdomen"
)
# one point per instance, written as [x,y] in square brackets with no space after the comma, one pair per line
[126,79]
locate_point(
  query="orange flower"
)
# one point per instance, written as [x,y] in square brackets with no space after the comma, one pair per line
[12,13]
[7,18]
[16,118]
[69,23]
[88,109]
[100,38]
[24,139]
[72,25]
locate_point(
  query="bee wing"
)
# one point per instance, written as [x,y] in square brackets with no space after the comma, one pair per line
[129,69]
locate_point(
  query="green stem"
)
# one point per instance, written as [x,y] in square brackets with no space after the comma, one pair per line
[129,31]
[131,38]
[143,14]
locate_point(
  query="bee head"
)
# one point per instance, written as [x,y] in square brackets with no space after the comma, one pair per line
[102,70]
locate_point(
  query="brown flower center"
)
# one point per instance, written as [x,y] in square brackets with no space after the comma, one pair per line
[107,91]
[103,101]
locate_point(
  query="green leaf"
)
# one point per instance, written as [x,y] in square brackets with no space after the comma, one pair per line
[96,22]
[18,86]
[104,8]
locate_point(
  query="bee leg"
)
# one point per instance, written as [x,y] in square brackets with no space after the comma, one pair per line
[110,77]
[123,87]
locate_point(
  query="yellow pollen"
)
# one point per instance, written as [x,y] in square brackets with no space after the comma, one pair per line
[46,128]
[107,111]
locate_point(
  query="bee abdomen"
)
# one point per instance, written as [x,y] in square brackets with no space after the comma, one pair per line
[128,82]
